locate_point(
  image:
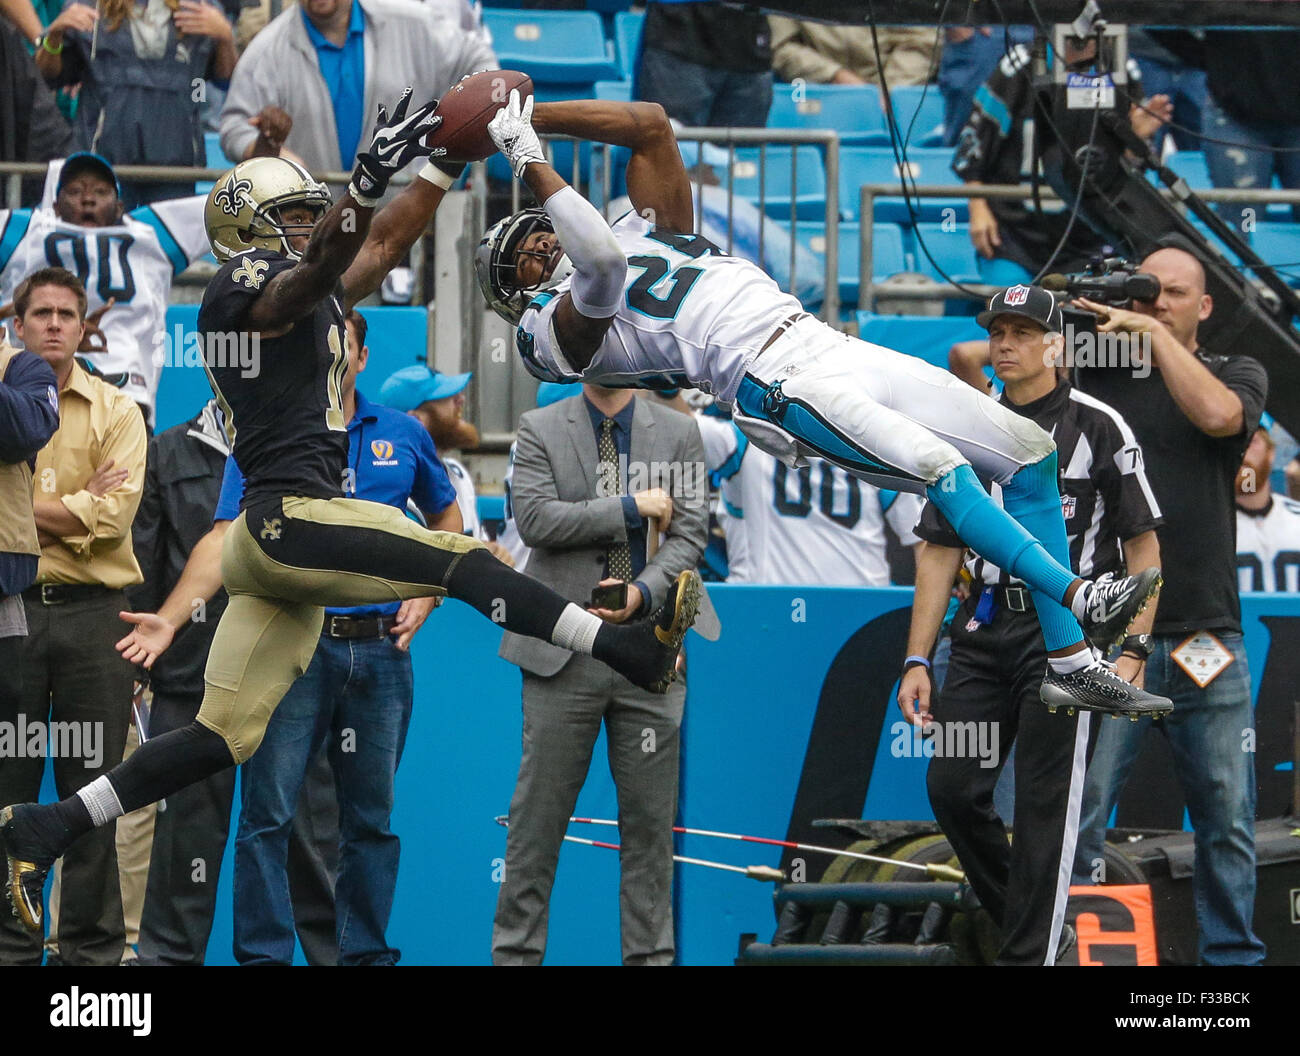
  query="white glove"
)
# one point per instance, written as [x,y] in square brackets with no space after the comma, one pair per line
[512,131]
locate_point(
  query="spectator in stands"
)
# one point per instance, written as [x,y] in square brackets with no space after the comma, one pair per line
[969,57]
[87,489]
[325,62]
[31,127]
[29,415]
[1268,525]
[437,401]
[706,65]
[127,262]
[138,67]
[1014,242]
[573,470]
[846,54]
[1253,102]
[1172,62]
[23,17]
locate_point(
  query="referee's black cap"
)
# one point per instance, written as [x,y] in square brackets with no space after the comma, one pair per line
[1032,302]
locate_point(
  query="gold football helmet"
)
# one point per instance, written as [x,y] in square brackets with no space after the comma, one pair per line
[243,210]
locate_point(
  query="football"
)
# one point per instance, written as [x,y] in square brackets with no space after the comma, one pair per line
[467,108]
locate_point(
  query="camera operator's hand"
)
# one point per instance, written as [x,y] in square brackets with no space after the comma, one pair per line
[1131,670]
[1147,118]
[1116,320]
[984,228]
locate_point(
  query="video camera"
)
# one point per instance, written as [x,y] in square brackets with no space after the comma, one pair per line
[1112,281]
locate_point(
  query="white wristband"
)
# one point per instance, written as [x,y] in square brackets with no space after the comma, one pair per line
[361,199]
[436,176]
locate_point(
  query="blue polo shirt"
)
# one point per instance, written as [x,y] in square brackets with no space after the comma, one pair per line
[344,71]
[391,458]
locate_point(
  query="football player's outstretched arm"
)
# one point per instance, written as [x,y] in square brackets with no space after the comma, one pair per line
[582,315]
[656,177]
[339,235]
[396,228]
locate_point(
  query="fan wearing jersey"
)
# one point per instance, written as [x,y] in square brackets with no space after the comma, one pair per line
[997,647]
[647,297]
[291,264]
[126,261]
[1268,525]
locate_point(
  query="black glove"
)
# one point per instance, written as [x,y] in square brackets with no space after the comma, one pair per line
[396,142]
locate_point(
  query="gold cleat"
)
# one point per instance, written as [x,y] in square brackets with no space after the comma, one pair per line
[24,882]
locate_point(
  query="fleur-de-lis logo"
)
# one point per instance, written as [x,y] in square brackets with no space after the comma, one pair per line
[271,529]
[229,198]
[251,273]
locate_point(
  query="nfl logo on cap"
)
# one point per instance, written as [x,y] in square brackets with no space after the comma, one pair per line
[1017,295]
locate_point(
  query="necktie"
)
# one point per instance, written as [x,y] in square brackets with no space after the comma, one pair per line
[620,558]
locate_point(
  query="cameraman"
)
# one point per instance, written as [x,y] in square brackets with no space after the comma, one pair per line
[1193,415]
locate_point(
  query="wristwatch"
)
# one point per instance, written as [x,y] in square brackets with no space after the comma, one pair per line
[1140,646]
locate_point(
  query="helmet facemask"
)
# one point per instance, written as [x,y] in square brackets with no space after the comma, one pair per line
[498,263]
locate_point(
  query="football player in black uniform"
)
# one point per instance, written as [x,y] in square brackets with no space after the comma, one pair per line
[291,266]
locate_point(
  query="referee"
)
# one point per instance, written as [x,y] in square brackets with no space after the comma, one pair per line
[990,693]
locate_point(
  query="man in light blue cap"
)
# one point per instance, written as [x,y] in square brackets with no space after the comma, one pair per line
[437,401]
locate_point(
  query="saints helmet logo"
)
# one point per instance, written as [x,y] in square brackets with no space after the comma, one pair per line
[250,273]
[271,529]
[228,198]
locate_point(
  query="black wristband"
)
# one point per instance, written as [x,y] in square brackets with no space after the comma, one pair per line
[368,184]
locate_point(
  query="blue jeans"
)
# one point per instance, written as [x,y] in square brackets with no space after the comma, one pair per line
[1185,86]
[701,96]
[1207,734]
[1232,167]
[355,696]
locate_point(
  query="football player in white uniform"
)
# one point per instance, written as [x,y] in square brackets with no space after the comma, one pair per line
[1268,525]
[126,259]
[610,306]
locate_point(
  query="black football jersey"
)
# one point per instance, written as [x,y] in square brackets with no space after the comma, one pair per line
[281,396]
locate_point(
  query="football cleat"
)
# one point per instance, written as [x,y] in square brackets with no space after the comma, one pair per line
[660,637]
[1115,603]
[25,873]
[1098,688]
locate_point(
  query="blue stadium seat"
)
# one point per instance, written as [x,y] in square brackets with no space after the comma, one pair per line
[854,111]
[1278,244]
[926,337]
[213,159]
[627,40]
[1191,166]
[926,165]
[951,248]
[887,256]
[397,336]
[552,47]
[918,108]
[809,193]
[491,507]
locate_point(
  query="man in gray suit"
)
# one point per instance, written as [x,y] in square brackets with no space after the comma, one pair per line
[589,472]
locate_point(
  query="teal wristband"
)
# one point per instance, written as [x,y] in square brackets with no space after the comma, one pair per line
[913,661]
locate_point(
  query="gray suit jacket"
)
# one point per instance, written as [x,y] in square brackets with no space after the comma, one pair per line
[561,512]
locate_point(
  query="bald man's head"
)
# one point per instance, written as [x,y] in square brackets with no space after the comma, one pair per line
[1183,303]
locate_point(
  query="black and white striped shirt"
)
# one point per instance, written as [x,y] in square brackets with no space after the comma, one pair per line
[1105,496]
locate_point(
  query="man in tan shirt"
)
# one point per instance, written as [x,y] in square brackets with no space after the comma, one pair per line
[87,485]
[841,54]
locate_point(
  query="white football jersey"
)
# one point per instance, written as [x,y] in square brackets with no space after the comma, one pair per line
[817,524]
[1268,547]
[466,496]
[689,312]
[132,263]
[724,453]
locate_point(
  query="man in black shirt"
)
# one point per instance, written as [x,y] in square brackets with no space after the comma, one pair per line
[272,323]
[1193,414]
[998,656]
